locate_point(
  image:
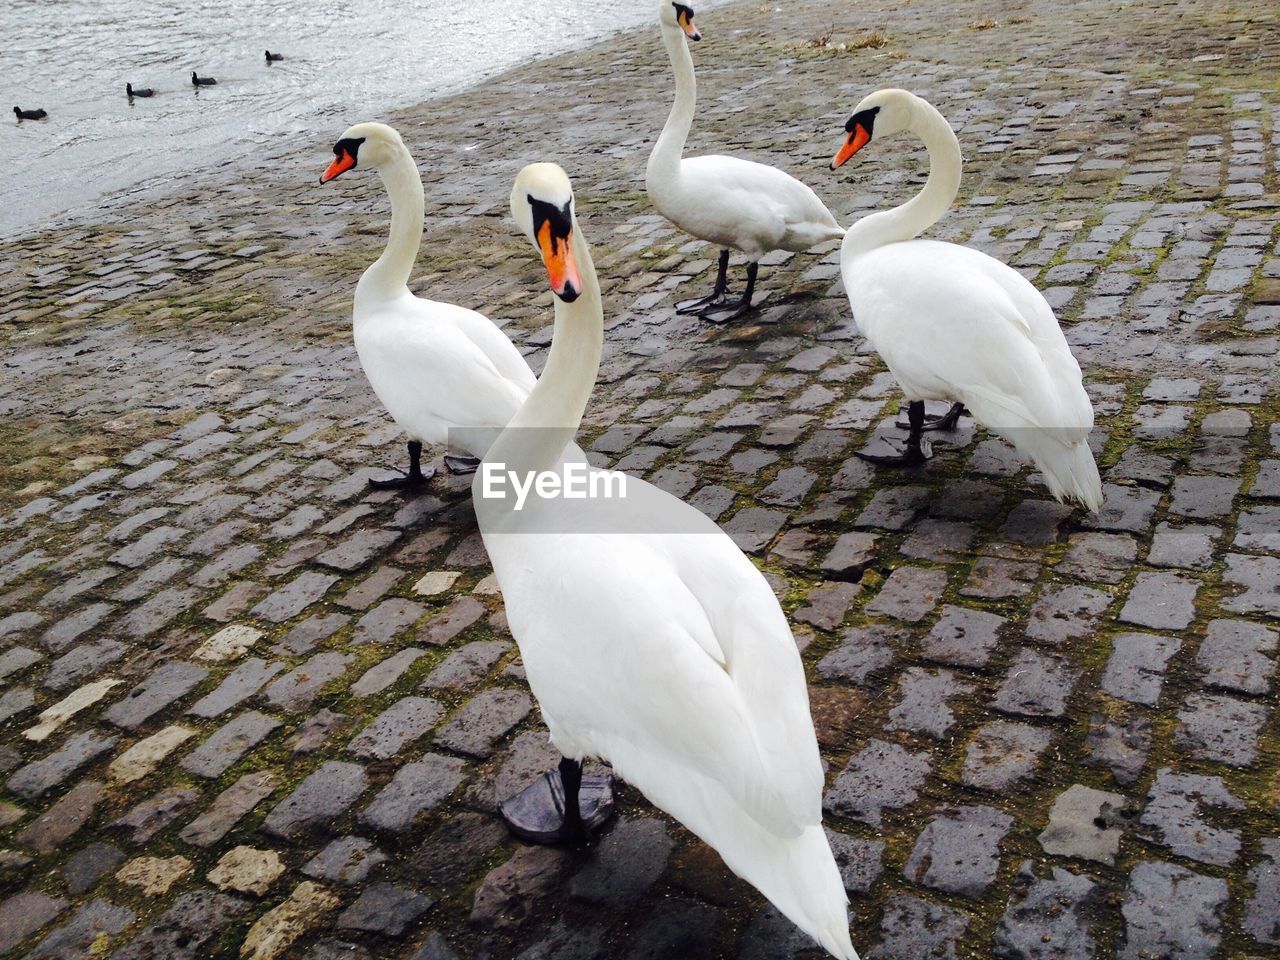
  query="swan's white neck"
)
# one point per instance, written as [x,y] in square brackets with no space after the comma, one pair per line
[664,162]
[536,436]
[925,208]
[388,276]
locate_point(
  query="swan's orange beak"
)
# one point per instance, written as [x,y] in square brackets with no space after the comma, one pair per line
[562,269]
[855,141]
[341,164]
[685,19]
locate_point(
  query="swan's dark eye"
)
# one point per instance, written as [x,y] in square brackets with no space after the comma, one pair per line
[560,219]
[865,119]
[683,11]
[350,146]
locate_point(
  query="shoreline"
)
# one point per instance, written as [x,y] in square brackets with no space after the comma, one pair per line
[156,187]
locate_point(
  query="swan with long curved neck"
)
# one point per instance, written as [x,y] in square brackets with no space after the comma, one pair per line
[735,204]
[446,374]
[954,324]
[648,637]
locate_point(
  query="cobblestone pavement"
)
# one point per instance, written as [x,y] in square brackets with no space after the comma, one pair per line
[250,708]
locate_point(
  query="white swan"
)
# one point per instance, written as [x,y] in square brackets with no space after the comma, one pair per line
[663,652]
[446,374]
[735,204]
[955,324]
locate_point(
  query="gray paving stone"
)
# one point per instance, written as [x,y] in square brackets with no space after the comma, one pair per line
[166,684]
[384,908]
[958,852]
[347,860]
[460,614]
[913,929]
[963,637]
[1087,824]
[1221,728]
[909,594]
[297,688]
[1203,498]
[23,914]
[228,808]
[827,604]
[1101,557]
[1049,917]
[1262,912]
[416,788]
[1258,577]
[483,721]
[84,868]
[154,814]
[1236,655]
[385,674]
[1002,753]
[1175,817]
[1066,613]
[676,929]
[316,730]
[236,687]
[1164,601]
[1172,912]
[467,665]
[626,862]
[1190,547]
[386,620]
[318,800]
[83,662]
[64,819]
[1136,669]
[1036,685]
[878,777]
[400,724]
[39,776]
[291,599]
[850,556]
[182,931]
[924,701]
[228,744]
[862,651]
[1125,509]
[75,938]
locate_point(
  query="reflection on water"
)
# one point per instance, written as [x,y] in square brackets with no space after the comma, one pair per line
[354,58]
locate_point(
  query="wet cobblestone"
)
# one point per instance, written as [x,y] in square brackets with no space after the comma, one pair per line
[188,437]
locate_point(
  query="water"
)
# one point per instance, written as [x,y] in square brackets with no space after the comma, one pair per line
[357,57]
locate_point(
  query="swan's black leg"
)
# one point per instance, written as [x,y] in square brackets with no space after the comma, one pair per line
[561,806]
[947,421]
[718,292]
[461,465]
[743,306]
[918,449]
[414,478]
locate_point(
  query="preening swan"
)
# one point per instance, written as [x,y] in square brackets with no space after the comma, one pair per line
[735,204]
[665,653]
[955,324]
[444,373]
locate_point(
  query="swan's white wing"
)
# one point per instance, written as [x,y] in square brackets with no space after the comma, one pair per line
[952,323]
[491,341]
[621,654]
[432,377]
[738,203]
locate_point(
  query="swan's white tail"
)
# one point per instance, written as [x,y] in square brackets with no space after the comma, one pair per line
[798,873]
[1068,466]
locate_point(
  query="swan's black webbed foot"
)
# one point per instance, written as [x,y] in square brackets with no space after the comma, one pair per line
[461,465]
[947,422]
[913,455]
[561,806]
[718,296]
[414,478]
[709,302]
[742,307]
[725,314]
[917,450]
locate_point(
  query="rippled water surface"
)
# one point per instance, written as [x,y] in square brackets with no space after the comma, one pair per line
[356,57]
